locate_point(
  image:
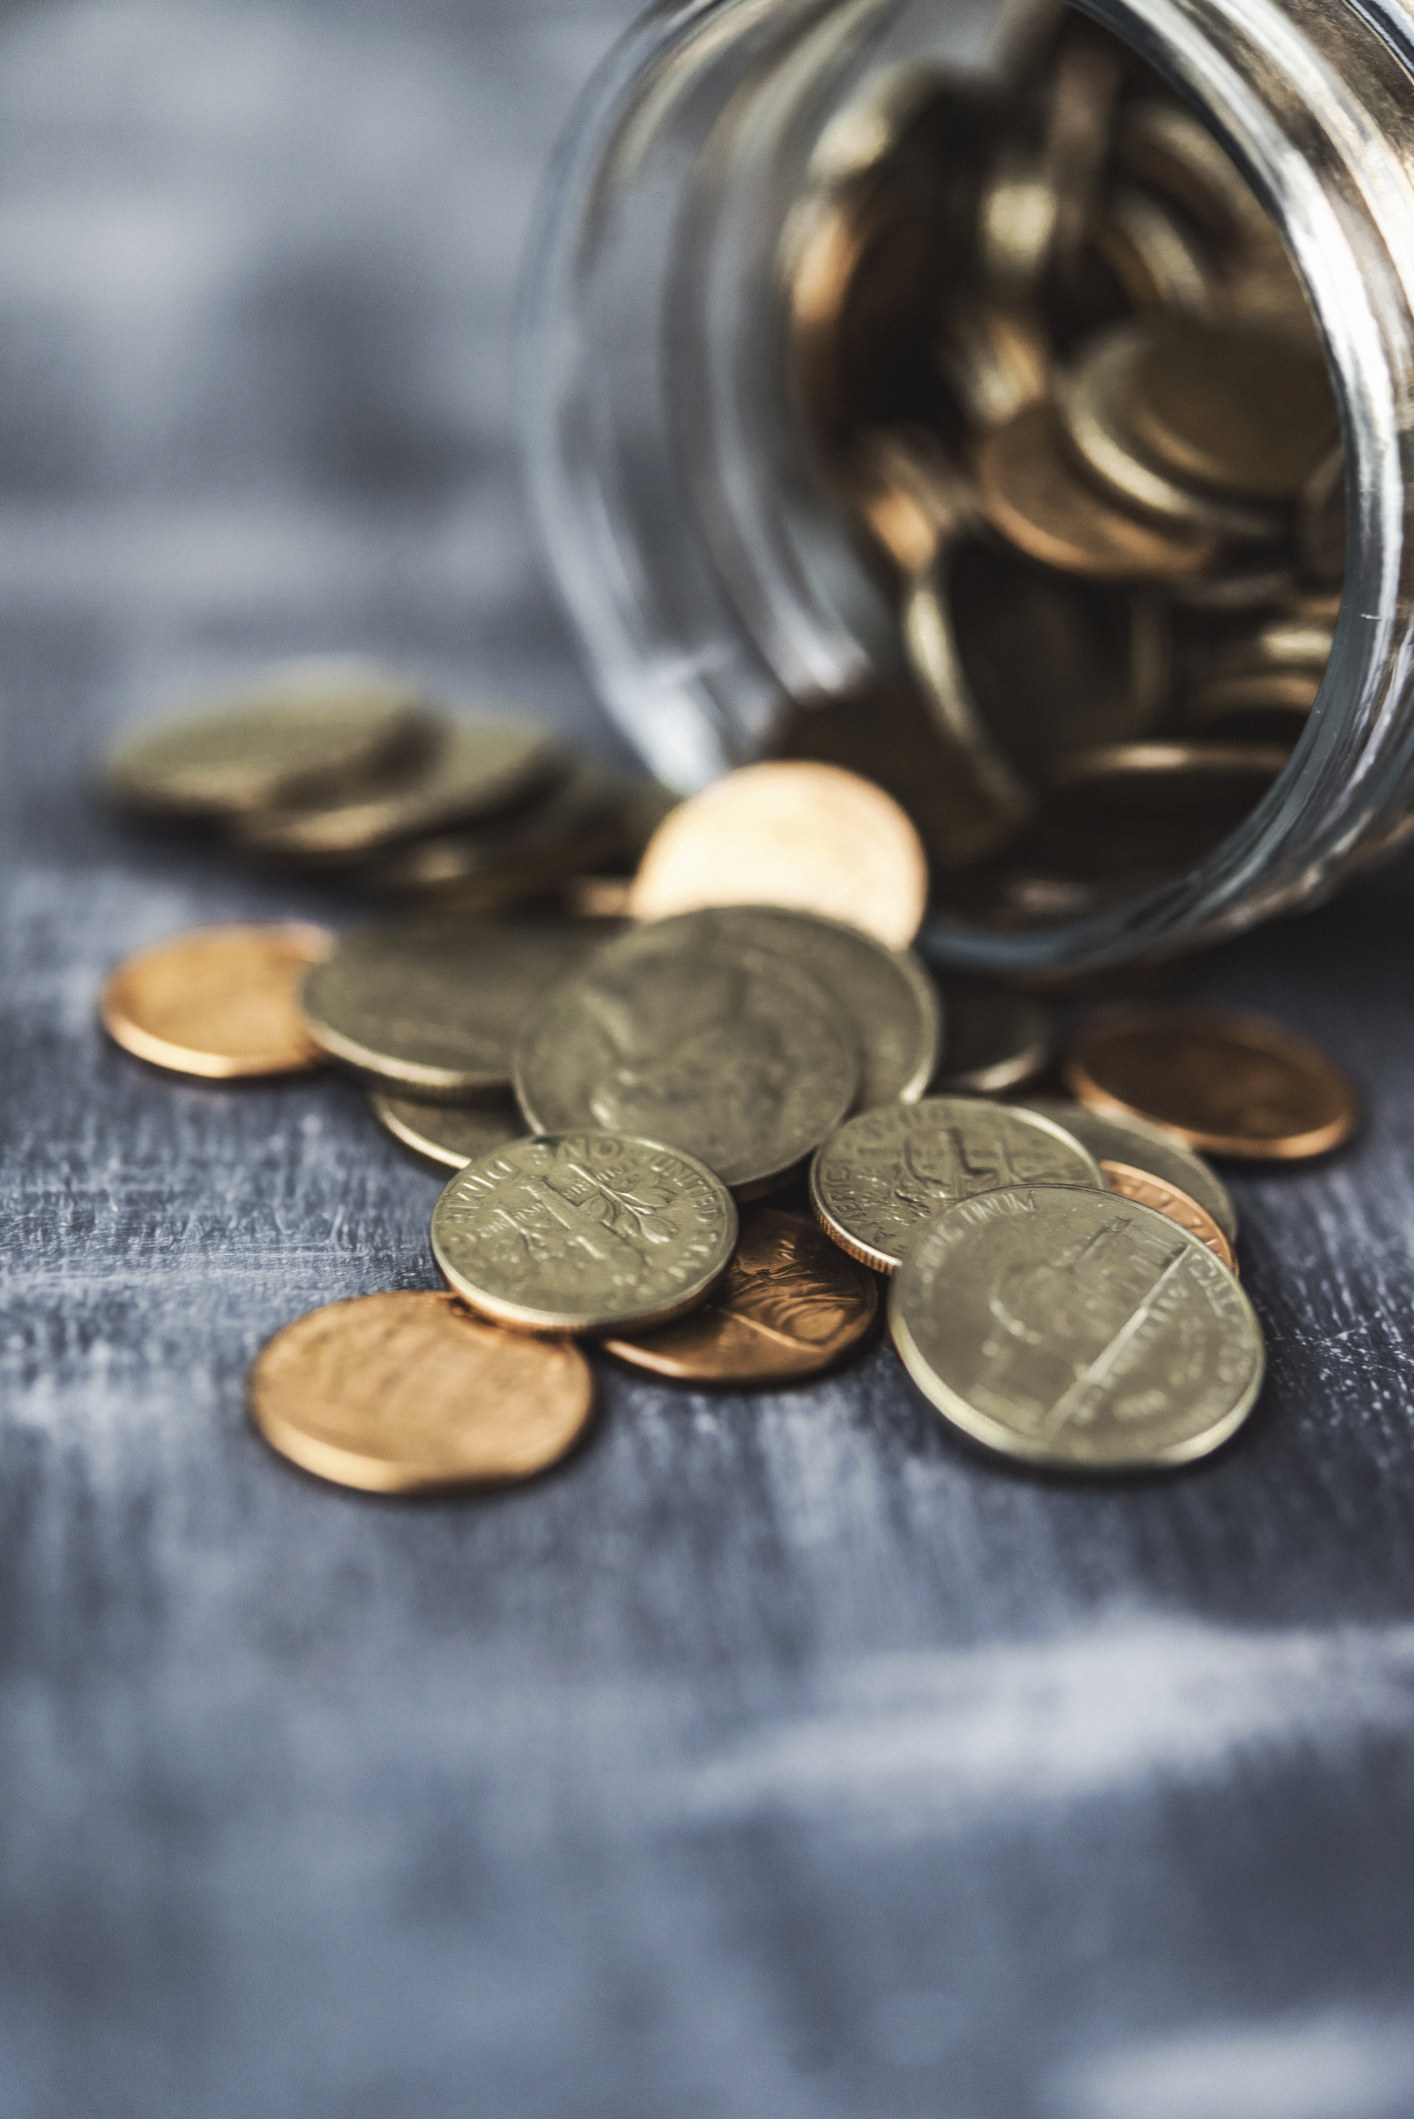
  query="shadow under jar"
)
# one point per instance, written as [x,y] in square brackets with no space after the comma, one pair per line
[828,294]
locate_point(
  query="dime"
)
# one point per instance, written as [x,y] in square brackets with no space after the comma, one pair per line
[451,1135]
[432,1007]
[887,997]
[730,1053]
[996,1040]
[1179,1206]
[808,836]
[1144,1147]
[1076,1329]
[401,1393]
[220,1002]
[300,729]
[1095,399]
[478,768]
[1037,497]
[584,1232]
[875,1182]
[590,816]
[1244,412]
[1223,1080]
[789,1305]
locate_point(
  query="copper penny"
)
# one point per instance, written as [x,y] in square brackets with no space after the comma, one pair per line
[812,837]
[1227,1082]
[1038,497]
[1164,1198]
[221,1002]
[401,1392]
[789,1305]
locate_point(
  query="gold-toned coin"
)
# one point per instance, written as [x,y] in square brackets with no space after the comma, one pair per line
[477,769]
[996,1040]
[1076,1329]
[885,995]
[219,1002]
[1242,412]
[1258,706]
[293,733]
[729,1052]
[1150,810]
[404,1393]
[789,1305]
[913,497]
[432,1007]
[1142,1146]
[881,1177]
[1227,1082]
[1084,79]
[584,1232]
[589,817]
[1258,584]
[995,358]
[450,1135]
[1164,1198]
[1160,263]
[1095,398]
[1036,495]
[808,836]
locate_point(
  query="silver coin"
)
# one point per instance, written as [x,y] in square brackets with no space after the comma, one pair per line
[996,1040]
[1144,1147]
[1076,1329]
[880,1178]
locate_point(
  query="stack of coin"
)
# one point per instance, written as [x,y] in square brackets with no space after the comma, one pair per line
[1063,378]
[348,772]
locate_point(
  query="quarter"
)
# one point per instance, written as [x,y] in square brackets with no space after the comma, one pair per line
[401,1393]
[431,1008]
[1076,1329]
[220,1002]
[789,1305]
[583,1232]
[875,1182]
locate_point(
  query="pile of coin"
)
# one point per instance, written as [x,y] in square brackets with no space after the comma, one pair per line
[1064,379]
[614,1099]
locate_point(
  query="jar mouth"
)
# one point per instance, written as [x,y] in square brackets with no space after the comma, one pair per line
[686,490]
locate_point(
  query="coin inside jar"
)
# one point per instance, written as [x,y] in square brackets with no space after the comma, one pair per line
[729,1052]
[218,1002]
[1227,1082]
[431,1008]
[1237,410]
[450,1135]
[1076,1329]
[297,731]
[404,1393]
[583,1232]
[789,1305]
[881,1177]
[808,836]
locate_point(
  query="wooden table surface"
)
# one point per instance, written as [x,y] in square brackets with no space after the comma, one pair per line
[775,1758]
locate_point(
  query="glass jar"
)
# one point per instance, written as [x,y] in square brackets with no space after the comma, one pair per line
[706,565]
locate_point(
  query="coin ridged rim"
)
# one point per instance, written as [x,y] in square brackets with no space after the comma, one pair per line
[754,1181]
[314,944]
[366,1473]
[904,963]
[1204,1185]
[422,1144]
[888,1262]
[993,1436]
[1216,1242]
[1264,1031]
[527,1317]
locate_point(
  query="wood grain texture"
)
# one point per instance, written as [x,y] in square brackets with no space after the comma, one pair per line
[774,1758]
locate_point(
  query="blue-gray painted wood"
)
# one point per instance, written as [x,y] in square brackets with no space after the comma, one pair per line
[775,1758]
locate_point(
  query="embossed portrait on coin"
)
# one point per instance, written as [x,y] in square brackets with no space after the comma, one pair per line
[789,1294]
